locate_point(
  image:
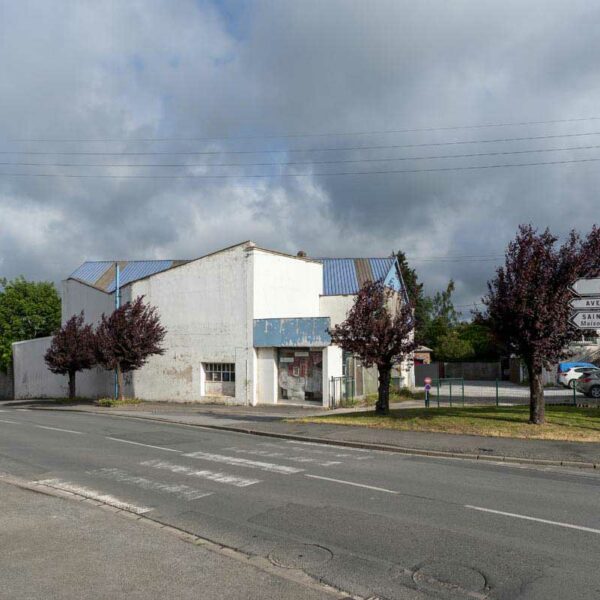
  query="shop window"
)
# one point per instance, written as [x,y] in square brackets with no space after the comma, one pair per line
[219,372]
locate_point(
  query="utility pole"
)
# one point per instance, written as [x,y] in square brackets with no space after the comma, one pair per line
[117,305]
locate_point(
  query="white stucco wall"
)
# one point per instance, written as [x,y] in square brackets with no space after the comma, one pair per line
[332,367]
[34,380]
[335,307]
[285,286]
[267,386]
[77,297]
[203,306]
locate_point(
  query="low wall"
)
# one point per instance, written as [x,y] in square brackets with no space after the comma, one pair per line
[473,371]
[6,386]
[32,379]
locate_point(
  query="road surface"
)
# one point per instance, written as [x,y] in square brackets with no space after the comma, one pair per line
[373,524]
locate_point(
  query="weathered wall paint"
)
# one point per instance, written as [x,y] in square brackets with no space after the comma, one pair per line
[307,332]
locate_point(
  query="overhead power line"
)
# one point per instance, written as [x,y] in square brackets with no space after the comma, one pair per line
[301,162]
[296,150]
[307,135]
[287,175]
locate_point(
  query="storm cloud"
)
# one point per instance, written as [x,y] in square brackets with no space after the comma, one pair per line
[232,78]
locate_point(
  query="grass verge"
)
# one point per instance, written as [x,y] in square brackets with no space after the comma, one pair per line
[562,422]
[111,402]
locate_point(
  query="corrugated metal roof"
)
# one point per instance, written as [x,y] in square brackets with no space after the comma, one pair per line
[341,277]
[101,273]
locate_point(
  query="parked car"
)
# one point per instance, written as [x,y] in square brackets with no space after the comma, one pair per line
[570,376]
[589,384]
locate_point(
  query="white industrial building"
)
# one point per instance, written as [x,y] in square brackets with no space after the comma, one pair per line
[244,325]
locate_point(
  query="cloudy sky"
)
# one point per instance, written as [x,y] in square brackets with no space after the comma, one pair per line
[87,86]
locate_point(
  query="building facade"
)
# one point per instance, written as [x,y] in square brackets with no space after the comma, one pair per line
[244,325]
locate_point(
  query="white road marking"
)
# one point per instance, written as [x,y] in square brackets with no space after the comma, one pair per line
[244,462]
[59,429]
[204,474]
[93,495]
[11,422]
[527,518]
[291,458]
[23,409]
[140,444]
[329,445]
[361,485]
[180,490]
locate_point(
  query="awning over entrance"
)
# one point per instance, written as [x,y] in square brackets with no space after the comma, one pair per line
[305,332]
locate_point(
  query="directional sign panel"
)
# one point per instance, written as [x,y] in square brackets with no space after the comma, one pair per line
[586,303]
[587,319]
[587,287]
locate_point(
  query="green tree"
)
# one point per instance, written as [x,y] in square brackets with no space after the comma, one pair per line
[28,309]
[451,347]
[441,317]
[414,289]
[479,334]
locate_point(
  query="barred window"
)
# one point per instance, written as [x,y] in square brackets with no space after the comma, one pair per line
[219,371]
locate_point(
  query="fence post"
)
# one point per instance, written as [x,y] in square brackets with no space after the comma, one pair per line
[496,393]
[451,392]
[438,392]
[463,391]
[574,395]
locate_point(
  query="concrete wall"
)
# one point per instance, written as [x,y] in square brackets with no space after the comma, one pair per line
[77,297]
[285,286]
[335,307]
[332,367]
[267,386]
[203,306]
[6,385]
[34,380]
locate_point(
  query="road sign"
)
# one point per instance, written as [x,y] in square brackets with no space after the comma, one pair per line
[587,287]
[427,380]
[586,303]
[586,319]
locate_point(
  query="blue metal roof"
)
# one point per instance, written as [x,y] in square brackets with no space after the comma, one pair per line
[101,273]
[341,276]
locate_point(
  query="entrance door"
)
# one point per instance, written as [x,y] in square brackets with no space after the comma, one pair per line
[300,374]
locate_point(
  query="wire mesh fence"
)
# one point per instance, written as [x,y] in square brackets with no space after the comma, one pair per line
[458,392]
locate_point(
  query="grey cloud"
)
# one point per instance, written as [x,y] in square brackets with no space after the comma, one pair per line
[187,69]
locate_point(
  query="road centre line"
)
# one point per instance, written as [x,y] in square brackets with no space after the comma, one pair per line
[59,429]
[11,422]
[536,519]
[140,444]
[361,485]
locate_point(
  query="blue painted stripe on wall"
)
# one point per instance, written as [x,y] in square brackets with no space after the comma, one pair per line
[308,332]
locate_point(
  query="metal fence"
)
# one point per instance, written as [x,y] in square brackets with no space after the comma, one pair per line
[460,392]
[341,391]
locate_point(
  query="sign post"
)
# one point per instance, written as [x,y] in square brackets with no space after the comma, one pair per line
[427,382]
[586,304]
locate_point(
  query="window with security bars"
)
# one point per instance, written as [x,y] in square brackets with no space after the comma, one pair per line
[219,371]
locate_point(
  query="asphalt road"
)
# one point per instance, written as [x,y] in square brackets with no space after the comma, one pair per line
[371,523]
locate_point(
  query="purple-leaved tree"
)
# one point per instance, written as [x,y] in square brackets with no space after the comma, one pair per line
[128,337]
[72,350]
[528,300]
[379,330]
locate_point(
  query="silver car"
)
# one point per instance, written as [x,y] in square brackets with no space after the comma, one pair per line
[589,384]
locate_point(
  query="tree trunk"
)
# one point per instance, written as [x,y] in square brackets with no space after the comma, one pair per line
[383,399]
[71,385]
[536,393]
[120,386]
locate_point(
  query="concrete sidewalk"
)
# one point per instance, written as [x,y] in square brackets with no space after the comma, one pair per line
[57,548]
[269,420]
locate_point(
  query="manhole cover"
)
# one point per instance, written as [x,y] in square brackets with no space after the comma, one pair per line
[451,578]
[299,556]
